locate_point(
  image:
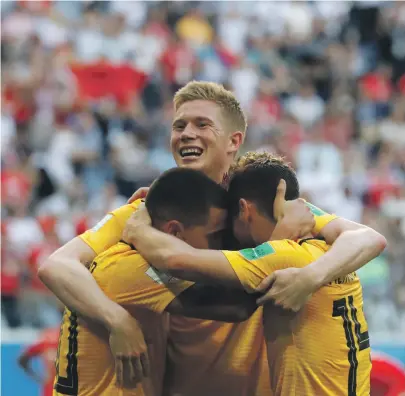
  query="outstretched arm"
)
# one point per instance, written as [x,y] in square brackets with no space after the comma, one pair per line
[65,273]
[353,246]
[177,258]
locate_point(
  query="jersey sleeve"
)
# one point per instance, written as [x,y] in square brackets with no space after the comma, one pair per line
[135,283]
[253,265]
[321,218]
[108,231]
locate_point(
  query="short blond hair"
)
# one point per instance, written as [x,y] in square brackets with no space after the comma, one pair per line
[256,159]
[213,92]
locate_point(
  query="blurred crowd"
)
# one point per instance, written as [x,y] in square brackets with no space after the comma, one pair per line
[86,111]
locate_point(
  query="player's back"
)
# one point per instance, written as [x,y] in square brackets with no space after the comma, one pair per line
[226,358]
[85,365]
[324,349]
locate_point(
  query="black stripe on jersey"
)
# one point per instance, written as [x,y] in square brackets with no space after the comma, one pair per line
[340,309]
[311,239]
[129,244]
[362,338]
[69,385]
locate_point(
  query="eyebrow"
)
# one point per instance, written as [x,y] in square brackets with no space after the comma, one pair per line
[198,118]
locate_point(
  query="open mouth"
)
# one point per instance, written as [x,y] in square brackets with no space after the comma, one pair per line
[191,152]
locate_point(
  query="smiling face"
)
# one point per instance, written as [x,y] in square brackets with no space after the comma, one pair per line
[200,140]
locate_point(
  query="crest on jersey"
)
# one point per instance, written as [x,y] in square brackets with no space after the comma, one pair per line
[258,252]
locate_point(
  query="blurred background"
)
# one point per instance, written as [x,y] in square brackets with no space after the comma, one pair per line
[86,90]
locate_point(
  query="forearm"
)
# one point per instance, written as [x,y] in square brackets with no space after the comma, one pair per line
[156,247]
[351,250]
[172,255]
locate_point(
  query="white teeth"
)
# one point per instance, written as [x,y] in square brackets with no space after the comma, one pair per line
[191,151]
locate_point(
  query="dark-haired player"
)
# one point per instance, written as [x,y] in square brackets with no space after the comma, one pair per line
[195,215]
[323,350]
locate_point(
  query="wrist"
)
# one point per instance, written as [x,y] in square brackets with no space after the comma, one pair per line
[113,316]
[314,276]
[132,236]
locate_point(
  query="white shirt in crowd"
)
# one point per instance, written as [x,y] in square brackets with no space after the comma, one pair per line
[58,159]
[307,110]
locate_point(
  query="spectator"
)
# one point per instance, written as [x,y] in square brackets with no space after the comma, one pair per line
[194,28]
[87,154]
[10,282]
[307,106]
[392,129]
[59,155]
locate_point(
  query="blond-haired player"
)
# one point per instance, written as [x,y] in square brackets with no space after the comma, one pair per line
[322,350]
[208,129]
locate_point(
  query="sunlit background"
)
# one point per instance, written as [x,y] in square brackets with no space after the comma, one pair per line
[86,91]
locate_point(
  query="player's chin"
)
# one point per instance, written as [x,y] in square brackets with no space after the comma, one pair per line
[193,162]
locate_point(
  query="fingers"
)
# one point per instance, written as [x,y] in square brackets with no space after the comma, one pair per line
[266,283]
[130,371]
[278,206]
[145,364]
[139,194]
[119,370]
[137,370]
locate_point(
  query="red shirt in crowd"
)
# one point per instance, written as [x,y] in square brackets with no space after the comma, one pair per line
[15,186]
[377,87]
[10,273]
[178,61]
[46,348]
[36,257]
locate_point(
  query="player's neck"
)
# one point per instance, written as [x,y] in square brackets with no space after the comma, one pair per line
[220,178]
[263,230]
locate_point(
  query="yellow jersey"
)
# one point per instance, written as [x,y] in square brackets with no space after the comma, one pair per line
[322,350]
[85,365]
[226,358]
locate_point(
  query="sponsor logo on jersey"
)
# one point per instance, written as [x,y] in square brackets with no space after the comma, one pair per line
[258,252]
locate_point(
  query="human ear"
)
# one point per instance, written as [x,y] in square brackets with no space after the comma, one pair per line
[175,228]
[235,141]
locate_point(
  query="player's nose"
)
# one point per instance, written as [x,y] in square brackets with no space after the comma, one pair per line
[189,133]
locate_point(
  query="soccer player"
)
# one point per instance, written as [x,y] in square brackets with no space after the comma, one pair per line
[195,211]
[208,129]
[322,350]
[46,349]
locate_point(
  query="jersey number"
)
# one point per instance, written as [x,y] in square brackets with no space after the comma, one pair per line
[69,385]
[348,312]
